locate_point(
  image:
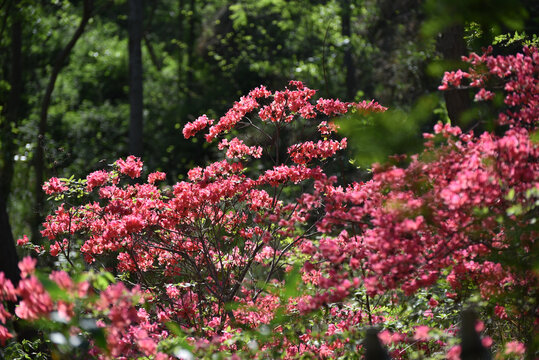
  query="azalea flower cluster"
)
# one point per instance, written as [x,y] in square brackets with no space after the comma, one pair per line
[407,224]
[462,212]
[519,76]
[287,263]
[130,331]
[206,237]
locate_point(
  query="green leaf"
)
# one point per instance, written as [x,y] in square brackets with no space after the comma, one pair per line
[534,137]
[510,195]
[232,306]
[180,339]
[292,281]
[109,276]
[52,288]
[515,210]
[174,328]
[98,335]
[103,280]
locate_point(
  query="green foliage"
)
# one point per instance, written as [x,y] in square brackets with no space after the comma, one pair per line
[491,16]
[196,60]
[375,137]
[521,39]
[25,350]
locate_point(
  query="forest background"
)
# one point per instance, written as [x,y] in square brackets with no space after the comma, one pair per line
[70,104]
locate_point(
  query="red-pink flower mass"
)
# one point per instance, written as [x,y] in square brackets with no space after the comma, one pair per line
[233,252]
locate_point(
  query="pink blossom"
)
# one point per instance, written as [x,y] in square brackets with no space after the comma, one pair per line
[303,153]
[7,290]
[4,335]
[23,241]
[479,326]
[486,341]
[385,337]
[190,129]
[131,166]
[422,333]
[454,353]
[55,248]
[500,312]
[145,343]
[365,107]
[237,149]
[4,314]
[156,176]
[331,107]
[62,279]
[483,95]
[326,128]
[54,186]
[27,266]
[95,179]
[35,302]
[515,347]
[133,223]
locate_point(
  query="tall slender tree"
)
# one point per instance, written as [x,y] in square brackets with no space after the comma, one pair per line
[190,40]
[348,60]
[135,78]
[9,121]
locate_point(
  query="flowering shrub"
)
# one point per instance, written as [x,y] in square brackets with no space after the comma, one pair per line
[242,260]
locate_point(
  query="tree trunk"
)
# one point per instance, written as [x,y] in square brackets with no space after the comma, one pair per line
[348,61]
[135,78]
[8,253]
[452,46]
[39,159]
[190,52]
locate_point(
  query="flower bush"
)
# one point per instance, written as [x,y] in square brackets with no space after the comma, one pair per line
[266,254]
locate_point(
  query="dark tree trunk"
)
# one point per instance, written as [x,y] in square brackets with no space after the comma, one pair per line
[348,60]
[190,51]
[374,350]
[471,346]
[452,46]
[39,157]
[7,141]
[8,253]
[135,78]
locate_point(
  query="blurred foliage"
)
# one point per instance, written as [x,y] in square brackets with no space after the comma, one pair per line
[377,136]
[492,16]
